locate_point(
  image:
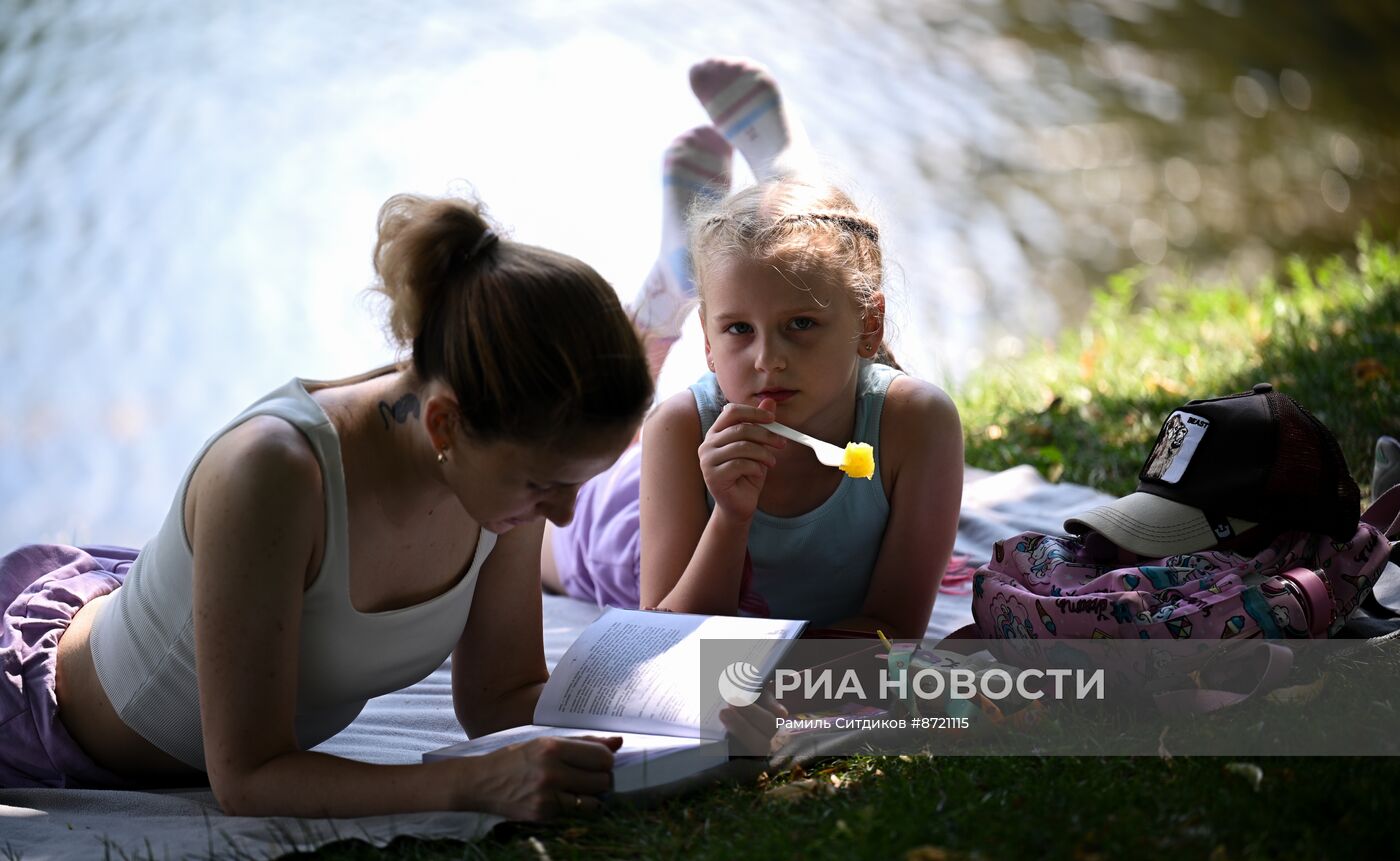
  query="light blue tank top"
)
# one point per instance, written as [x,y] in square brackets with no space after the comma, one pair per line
[817,565]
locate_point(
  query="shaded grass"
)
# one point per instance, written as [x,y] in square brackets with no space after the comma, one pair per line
[990,807]
[1086,409]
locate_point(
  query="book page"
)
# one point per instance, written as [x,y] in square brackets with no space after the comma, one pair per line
[639,671]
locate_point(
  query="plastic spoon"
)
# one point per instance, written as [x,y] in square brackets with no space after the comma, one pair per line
[857,459]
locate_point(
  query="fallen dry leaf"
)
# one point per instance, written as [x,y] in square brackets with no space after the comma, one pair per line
[1368,370]
[1027,716]
[1297,695]
[1089,360]
[1157,382]
[927,853]
[1247,770]
[805,788]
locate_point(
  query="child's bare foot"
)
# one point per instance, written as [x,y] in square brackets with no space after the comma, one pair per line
[743,102]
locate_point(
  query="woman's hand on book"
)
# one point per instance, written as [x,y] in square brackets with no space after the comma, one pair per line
[541,779]
[736,454]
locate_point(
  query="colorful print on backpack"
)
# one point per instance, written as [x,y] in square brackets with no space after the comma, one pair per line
[1043,586]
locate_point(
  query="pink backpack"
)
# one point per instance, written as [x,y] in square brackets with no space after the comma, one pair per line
[1302,585]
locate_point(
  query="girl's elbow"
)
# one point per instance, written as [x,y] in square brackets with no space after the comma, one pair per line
[908,623]
[657,592]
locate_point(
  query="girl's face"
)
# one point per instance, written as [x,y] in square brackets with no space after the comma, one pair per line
[771,335]
[503,485]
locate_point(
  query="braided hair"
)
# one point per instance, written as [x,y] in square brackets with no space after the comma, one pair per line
[800,225]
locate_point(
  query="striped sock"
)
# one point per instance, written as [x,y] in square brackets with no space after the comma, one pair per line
[743,102]
[696,165]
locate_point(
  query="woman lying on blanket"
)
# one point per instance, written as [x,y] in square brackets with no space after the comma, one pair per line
[336,541]
[716,514]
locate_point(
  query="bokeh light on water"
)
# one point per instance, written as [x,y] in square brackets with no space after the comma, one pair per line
[187,189]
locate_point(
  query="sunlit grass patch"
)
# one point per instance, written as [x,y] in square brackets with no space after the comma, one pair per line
[1086,409]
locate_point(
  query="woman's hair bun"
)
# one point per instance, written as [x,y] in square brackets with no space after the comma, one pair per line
[533,343]
[423,243]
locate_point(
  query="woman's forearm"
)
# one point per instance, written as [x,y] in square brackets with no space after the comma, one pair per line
[711,581]
[308,783]
[516,708]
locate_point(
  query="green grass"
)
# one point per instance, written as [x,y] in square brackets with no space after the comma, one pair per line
[1086,409]
[921,809]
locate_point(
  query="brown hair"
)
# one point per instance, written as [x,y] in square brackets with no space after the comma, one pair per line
[533,343]
[798,224]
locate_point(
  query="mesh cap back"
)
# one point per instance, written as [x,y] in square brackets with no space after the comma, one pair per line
[1309,485]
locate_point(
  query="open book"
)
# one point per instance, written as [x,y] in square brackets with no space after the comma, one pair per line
[637,674]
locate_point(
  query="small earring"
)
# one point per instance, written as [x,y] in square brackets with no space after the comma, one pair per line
[712,364]
[867,348]
[442,456]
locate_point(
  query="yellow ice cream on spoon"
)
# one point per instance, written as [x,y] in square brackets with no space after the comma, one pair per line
[857,459]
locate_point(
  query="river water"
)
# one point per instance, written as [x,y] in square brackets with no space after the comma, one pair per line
[188,189]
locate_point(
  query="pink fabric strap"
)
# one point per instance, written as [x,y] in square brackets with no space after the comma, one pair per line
[1384,513]
[1277,661]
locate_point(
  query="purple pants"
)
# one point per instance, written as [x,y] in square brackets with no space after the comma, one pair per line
[42,586]
[598,555]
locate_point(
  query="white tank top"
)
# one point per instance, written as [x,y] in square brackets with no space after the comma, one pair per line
[143,636]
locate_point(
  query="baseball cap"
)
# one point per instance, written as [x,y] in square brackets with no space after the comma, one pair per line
[1225,465]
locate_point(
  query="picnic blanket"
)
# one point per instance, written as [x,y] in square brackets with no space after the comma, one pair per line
[397,728]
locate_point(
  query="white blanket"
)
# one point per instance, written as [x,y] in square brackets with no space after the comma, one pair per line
[79,824]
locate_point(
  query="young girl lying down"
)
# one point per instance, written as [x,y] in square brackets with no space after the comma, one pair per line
[715,513]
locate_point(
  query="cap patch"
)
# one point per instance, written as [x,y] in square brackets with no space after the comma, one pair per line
[1180,436]
[1220,525]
